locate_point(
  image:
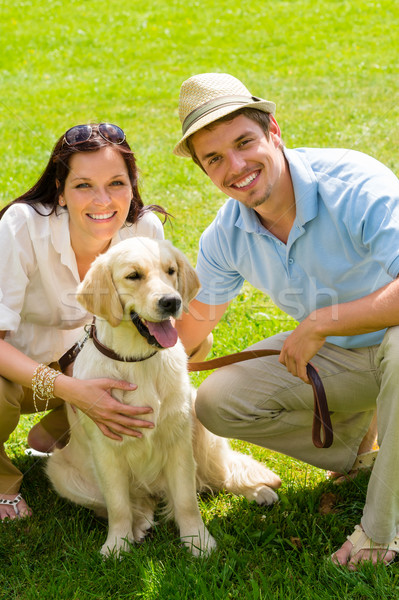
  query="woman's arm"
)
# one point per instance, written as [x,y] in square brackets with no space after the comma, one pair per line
[92,396]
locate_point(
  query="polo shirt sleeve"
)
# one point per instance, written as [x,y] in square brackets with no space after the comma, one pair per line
[375,216]
[220,281]
[17,263]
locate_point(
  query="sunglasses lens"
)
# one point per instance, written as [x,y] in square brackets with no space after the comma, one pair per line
[78,134]
[111,133]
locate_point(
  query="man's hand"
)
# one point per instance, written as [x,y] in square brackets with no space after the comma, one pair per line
[300,347]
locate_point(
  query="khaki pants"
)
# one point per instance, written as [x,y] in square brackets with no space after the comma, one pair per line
[260,402]
[14,401]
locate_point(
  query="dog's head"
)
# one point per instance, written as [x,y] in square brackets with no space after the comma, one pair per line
[144,281]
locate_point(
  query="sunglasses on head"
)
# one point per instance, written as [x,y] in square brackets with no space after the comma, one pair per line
[82,133]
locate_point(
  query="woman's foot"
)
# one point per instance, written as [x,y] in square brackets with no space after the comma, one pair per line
[16,509]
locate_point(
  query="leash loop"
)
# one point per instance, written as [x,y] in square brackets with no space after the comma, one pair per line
[321,415]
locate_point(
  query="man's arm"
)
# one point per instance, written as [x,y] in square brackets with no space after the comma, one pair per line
[371,313]
[194,326]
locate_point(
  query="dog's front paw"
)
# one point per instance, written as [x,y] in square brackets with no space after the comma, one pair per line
[113,547]
[199,544]
[262,494]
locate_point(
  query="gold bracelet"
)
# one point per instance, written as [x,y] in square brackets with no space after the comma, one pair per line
[43,384]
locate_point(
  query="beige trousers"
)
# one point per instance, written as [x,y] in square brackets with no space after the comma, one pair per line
[260,402]
[14,401]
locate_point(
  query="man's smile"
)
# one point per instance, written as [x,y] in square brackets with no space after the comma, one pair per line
[246,181]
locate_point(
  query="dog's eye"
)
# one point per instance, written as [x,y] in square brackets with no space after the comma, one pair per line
[171,271]
[134,275]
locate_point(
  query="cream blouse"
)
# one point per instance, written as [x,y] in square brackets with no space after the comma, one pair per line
[39,276]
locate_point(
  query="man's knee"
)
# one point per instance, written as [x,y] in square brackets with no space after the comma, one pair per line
[210,398]
[388,351]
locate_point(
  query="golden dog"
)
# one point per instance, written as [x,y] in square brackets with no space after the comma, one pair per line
[134,290]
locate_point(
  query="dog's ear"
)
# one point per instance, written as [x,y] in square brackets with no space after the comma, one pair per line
[187,279]
[98,295]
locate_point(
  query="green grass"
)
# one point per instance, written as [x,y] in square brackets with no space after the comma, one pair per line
[331,68]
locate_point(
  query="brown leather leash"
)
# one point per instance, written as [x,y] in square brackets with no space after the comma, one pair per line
[321,415]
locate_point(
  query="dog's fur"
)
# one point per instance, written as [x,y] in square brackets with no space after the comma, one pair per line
[122,479]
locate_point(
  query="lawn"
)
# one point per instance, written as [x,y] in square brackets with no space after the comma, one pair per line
[331,68]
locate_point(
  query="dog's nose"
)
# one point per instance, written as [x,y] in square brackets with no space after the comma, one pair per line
[170,304]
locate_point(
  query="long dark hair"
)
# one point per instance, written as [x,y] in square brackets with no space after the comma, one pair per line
[50,185]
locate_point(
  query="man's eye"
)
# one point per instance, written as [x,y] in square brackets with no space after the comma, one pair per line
[214,159]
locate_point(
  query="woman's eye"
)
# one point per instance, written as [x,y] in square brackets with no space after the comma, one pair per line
[116,183]
[82,186]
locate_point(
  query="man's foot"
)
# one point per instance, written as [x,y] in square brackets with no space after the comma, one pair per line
[338,478]
[363,462]
[359,548]
[15,509]
[366,455]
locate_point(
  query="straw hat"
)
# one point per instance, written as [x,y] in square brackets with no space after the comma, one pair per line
[207,97]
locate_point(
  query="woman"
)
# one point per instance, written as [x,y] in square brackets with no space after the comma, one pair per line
[86,200]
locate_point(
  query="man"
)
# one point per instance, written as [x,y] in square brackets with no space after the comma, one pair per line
[317,230]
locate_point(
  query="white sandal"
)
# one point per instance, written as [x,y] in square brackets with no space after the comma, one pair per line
[12,503]
[360,541]
[365,461]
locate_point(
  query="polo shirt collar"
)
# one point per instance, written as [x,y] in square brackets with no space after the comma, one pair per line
[305,186]
[305,190]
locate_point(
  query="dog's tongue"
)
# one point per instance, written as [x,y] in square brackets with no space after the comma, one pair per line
[163,332]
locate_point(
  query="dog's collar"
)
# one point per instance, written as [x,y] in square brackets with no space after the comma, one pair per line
[108,351]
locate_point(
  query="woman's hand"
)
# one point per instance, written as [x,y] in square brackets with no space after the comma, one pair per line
[93,397]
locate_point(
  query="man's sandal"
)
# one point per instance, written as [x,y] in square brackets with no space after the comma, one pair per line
[12,503]
[365,461]
[360,541]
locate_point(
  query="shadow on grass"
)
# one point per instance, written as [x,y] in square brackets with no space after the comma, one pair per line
[263,552]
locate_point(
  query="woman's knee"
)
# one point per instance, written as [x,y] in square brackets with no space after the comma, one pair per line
[11,396]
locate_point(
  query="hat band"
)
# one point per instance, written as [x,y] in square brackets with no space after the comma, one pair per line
[213,105]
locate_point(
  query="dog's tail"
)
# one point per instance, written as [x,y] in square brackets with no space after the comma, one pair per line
[220,467]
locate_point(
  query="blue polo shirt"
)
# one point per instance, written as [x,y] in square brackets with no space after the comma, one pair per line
[344,243]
